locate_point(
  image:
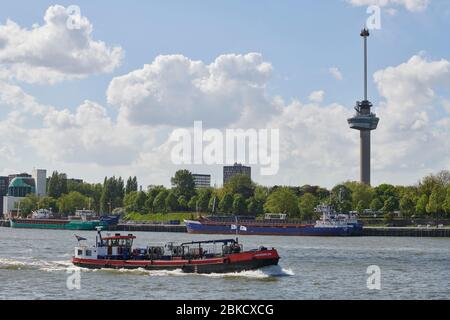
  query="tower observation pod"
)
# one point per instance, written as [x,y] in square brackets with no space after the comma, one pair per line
[364,121]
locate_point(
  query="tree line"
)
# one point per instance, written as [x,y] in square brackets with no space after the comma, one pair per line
[430,197]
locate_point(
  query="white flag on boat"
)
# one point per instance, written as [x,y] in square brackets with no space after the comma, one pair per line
[243,228]
[233,227]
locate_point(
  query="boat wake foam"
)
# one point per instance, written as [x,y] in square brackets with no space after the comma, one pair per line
[17,264]
[64,265]
[264,273]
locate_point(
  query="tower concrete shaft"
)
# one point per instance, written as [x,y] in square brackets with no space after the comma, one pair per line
[365,156]
[364,121]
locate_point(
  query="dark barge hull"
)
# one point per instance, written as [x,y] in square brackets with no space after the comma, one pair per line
[233,263]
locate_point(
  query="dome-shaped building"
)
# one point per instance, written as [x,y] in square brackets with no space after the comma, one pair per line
[15,187]
[21,186]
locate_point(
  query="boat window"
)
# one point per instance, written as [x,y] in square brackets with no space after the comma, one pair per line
[88,253]
[80,252]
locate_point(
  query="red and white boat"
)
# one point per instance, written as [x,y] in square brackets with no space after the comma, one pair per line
[212,256]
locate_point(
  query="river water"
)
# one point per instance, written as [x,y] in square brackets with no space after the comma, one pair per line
[35,264]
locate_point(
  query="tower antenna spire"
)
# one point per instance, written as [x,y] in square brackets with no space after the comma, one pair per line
[365,33]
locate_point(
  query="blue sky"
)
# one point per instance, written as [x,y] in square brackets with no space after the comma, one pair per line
[300,39]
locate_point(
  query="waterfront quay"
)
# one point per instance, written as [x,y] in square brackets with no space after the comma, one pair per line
[406,232]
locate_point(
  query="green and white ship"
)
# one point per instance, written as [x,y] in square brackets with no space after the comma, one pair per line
[40,221]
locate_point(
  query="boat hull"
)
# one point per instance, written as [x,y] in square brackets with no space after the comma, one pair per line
[56,225]
[231,263]
[198,227]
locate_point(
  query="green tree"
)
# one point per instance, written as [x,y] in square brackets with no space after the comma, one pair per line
[171,202]
[241,184]
[255,206]
[226,204]
[27,205]
[47,203]
[261,194]
[139,201]
[132,185]
[183,184]
[407,205]
[193,203]
[153,191]
[159,204]
[149,203]
[204,196]
[306,205]
[213,203]
[69,203]
[318,192]
[183,203]
[129,202]
[283,200]
[239,205]
[360,207]
[362,194]
[436,200]
[341,198]
[446,204]
[376,205]
[112,194]
[428,183]
[389,205]
[57,185]
[421,207]
[96,193]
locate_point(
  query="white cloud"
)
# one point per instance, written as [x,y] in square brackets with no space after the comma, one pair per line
[15,97]
[317,96]
[317,147]
[174,90]
[336,73]
[412,132]
[316,144]
[411,5]
[88,135]
[52,52]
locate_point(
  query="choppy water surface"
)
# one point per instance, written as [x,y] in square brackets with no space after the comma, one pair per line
[34,265]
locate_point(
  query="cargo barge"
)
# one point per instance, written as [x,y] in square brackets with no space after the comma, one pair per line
[330,224]
[79,222]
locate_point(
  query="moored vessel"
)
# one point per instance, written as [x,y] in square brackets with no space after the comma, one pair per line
[211,256]
[330,224]
[60,224]
[42,219]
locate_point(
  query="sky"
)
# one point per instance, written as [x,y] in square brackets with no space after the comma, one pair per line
[103,98]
